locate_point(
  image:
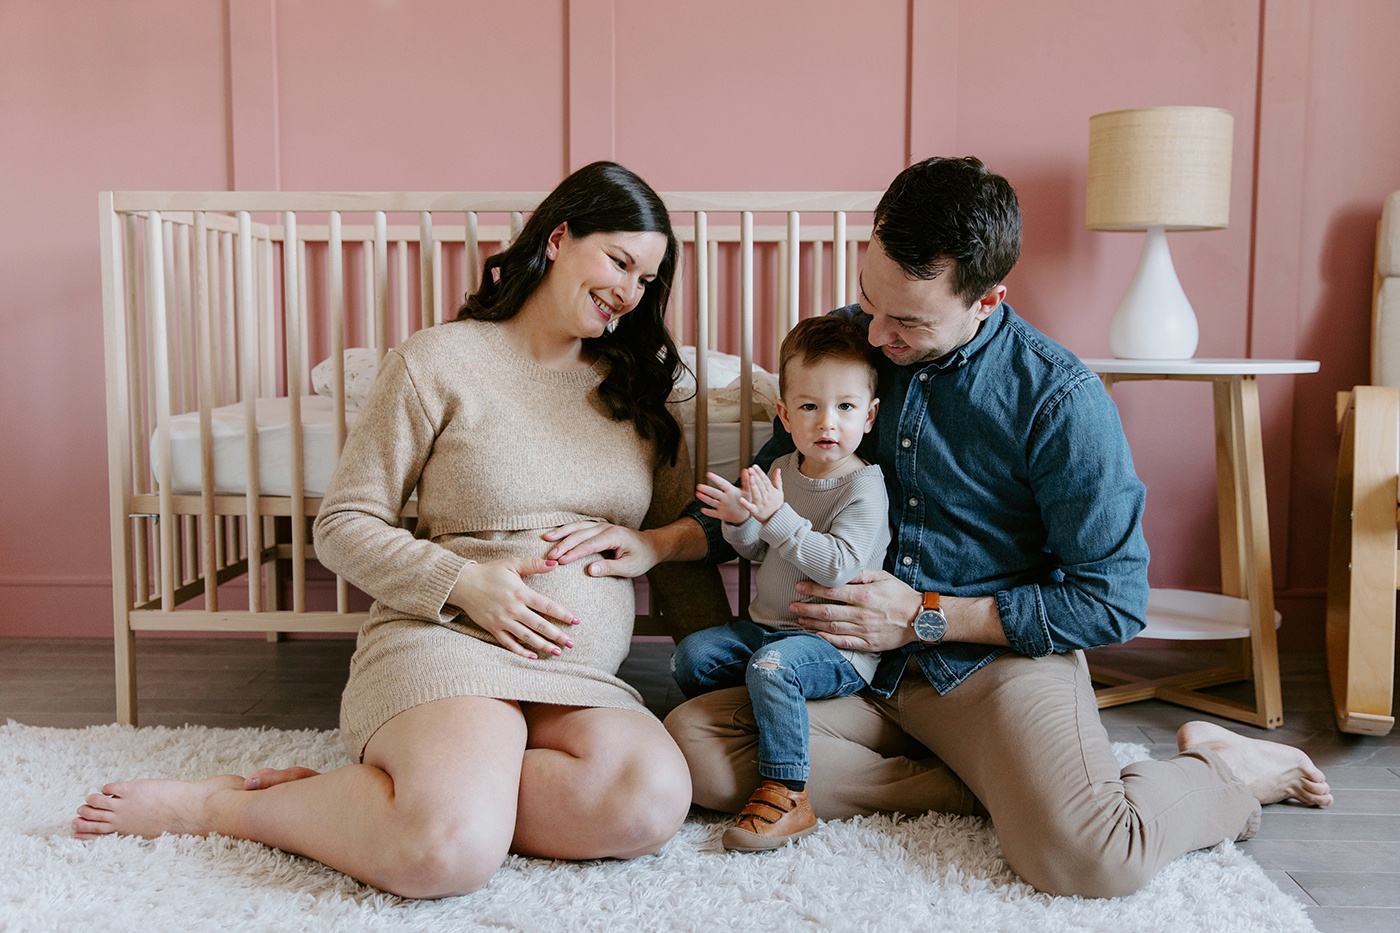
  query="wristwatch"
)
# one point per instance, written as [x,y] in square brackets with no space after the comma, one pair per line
[930,625]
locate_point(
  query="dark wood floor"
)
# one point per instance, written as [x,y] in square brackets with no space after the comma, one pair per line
[1343,862]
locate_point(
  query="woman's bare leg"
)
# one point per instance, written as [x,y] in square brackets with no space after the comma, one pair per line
[430,813]
[598,783]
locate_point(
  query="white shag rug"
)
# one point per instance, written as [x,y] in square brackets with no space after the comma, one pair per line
[885,874]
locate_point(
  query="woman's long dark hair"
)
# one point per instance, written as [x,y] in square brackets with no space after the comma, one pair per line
[641,359]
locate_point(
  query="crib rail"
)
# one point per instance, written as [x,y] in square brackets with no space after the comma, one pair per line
[219,299]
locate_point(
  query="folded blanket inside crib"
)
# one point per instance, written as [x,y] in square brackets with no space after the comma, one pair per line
[228,444]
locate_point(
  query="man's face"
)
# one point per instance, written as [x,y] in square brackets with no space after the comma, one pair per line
[918,320]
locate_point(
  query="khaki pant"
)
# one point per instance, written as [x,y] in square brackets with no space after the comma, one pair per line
[1020,740]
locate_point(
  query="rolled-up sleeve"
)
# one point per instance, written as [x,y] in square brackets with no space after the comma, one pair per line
[1091,501]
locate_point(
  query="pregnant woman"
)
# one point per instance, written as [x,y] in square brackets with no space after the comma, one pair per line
[483,711]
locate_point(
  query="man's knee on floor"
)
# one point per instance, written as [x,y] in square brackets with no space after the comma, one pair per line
[1080,868]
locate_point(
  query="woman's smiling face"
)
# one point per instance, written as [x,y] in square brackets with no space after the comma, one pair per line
[600,277]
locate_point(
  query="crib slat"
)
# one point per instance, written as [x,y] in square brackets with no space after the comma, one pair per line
[304,387]
[439,272]
[228,314]
[381,285]
[838,266]
[204,351]
[702,340]
[335,265]
[292,285]
[793,273]
[517,223]
[746,313]
[246,301]
[745,366]
[472,248]
[267,319]
[160,377]
[401,305]
[677,324]
[852,279]
[368,330]
[335,270]
[217,313]
[426,265]
[712,312]
[178,255]
[818,250]
[778,319]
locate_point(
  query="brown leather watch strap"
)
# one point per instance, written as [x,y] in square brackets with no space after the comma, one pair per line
[930,600]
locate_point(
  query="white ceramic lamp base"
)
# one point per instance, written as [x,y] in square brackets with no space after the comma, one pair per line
[1154,321]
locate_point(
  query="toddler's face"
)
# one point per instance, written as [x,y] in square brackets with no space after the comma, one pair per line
[827,408]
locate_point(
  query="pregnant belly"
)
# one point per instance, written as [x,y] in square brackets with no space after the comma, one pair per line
[604,606]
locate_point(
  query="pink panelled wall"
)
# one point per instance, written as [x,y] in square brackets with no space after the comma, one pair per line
[724,94]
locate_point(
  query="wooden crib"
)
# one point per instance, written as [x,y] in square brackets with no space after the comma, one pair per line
[217,305]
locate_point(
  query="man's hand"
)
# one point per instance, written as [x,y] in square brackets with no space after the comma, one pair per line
[762,496]
[871,613]
[626,553]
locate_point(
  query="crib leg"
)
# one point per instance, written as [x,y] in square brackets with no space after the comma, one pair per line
[124,645]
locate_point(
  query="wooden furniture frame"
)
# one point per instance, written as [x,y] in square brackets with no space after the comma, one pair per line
[217,298]
[1361,570]
[1361,566]
[1244,612]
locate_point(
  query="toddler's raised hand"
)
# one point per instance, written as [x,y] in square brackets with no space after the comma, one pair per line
[762,497]
[723,500]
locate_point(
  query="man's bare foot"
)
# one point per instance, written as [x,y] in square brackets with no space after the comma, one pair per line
[267,777]
[149,808]
[1272,771]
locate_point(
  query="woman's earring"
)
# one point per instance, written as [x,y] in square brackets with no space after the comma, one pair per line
[611,326]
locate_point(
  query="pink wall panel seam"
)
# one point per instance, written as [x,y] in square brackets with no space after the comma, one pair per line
[592,82]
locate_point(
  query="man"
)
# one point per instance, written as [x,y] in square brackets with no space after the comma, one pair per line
[1017,541]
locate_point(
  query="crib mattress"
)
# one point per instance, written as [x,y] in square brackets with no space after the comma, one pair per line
[274,438]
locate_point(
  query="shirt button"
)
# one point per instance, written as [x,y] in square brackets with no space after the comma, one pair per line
[907,561]
[913,501]
[906,442]
[923,377]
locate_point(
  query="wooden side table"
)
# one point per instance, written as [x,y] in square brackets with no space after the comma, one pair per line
[1244,610]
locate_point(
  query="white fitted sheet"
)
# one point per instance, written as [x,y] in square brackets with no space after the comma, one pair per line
[318,439]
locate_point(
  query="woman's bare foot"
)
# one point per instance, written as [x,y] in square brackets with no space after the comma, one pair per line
[151,807]
[1272,771]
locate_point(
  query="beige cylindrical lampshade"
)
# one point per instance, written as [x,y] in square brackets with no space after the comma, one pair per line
[1160,167]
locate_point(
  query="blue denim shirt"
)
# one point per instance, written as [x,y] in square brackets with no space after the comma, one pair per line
[1009,476]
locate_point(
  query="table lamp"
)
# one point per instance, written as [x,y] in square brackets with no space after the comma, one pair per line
[1158,169]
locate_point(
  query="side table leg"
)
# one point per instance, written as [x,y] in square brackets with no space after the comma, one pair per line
[1257,562]
[1229,476]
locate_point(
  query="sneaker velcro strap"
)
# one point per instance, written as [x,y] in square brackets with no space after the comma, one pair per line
[769,799]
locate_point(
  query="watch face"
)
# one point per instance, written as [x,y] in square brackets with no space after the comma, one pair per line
[930,626]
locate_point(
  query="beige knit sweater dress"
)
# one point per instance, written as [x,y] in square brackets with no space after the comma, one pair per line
[499,450]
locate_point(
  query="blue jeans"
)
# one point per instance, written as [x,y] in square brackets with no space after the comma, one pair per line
[782,670]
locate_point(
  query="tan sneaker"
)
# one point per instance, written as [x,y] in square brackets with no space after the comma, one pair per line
[774,817]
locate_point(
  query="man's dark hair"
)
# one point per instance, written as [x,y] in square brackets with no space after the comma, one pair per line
[826,338]
[945,209]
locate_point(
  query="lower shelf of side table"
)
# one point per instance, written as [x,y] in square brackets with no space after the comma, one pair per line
[1186,615]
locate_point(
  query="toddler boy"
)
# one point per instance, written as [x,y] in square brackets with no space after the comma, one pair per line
[823,516]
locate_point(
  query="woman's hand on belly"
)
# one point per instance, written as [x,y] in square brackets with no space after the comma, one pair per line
[624,552]
[495,596]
